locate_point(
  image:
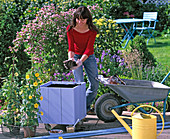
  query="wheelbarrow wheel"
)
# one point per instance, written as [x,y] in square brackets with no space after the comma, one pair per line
[103,105]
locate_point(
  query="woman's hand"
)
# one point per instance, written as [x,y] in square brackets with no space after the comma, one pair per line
[68,64]
[79,63]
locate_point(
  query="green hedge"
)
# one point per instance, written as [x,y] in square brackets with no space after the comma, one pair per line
[8,30]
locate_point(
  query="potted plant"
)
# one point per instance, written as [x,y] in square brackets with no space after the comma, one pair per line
[10,91]
[30,102]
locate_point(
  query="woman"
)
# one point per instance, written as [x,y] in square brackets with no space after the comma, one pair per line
[81,34]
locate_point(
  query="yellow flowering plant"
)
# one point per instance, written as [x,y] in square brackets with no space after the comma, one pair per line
[31,96]
[109,36]
[22,98]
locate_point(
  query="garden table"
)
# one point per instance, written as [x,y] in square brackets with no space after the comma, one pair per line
[129,27]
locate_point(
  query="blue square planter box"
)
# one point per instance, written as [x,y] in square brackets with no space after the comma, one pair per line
[63,102]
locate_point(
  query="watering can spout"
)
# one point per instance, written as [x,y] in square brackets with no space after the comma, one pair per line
[122,121]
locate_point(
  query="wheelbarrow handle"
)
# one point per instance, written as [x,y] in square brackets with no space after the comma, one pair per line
[165,77]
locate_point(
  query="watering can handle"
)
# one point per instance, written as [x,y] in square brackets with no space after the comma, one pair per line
[155,110]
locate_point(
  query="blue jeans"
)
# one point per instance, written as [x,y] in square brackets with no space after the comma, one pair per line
[91,70]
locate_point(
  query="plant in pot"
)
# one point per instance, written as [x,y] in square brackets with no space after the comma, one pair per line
[10,90]
[30,102]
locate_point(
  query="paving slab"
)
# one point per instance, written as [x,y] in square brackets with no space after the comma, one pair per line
[92,123]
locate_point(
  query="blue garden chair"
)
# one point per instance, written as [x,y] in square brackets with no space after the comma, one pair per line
[149,24]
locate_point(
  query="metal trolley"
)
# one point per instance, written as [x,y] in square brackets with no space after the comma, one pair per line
[133,93]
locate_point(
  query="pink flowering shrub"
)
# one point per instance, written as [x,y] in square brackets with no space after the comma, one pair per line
[45,37]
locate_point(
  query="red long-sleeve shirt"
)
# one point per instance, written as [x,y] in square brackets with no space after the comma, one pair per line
[81,43]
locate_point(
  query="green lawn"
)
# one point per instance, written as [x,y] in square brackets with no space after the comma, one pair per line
[161,50]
